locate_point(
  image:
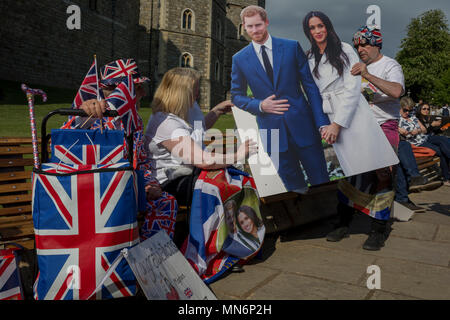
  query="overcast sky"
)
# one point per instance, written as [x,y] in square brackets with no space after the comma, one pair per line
[285,17]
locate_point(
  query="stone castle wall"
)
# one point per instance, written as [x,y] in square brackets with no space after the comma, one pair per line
[38,48]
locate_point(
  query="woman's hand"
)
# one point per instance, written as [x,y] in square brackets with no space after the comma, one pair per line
[153,192]
[94,108]
[223,107]
[403,131]
[249,147]
[330,133]
[216,112]
[436,123]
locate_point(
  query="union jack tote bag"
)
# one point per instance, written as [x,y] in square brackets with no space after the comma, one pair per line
[84,213]
[10,282]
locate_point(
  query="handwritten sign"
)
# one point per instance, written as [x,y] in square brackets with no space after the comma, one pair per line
[164,273]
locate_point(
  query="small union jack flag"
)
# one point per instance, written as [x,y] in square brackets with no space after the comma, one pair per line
[161,215]
[118,69]
[188,293]
[10,288]
[89,87]
[123,99]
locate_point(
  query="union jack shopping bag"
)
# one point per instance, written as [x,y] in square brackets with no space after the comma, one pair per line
[84,214]
[10,284]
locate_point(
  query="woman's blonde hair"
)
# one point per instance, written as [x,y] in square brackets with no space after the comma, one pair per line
[406,102]
[176,92]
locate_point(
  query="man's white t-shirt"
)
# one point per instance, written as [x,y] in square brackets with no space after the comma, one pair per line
[385,107]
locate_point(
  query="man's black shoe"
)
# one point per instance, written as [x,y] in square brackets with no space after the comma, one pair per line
[418,181]
[411,206]
[338,234]
[375,241]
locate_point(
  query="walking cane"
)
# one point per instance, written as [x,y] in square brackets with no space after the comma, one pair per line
[30,97]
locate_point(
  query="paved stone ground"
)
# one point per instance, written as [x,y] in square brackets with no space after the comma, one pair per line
[414,264]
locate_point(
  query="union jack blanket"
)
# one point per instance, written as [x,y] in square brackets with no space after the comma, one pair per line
[84,213]
[214,244]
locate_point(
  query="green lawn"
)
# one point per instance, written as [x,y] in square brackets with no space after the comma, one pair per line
[15,118]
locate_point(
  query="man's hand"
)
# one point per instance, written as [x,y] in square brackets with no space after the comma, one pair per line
[359,69]
[330,133]
[392,89]
[94,107]
[270,105]
[153,192]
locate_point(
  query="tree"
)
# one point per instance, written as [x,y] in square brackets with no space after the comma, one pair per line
[442,89]
[425,56]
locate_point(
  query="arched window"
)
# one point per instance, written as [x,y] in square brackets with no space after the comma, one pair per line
[217,69]
[186,60]
[241,30]
[187,20]
[219,29]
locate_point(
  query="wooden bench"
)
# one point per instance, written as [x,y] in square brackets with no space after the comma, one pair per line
[429,168]
[16,161]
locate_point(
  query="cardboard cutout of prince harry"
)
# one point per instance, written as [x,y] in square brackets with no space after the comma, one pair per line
[274,68]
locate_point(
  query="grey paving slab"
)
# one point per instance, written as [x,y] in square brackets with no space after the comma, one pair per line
[437,200]
[353,243]
[443,233]
[324,263]
[433,217]
[428,252]
[438,196]
[414,229]
[289,286]
[240,285]
[383,295]
[315,235]
[414,279]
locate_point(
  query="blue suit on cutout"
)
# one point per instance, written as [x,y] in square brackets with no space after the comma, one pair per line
[299,138]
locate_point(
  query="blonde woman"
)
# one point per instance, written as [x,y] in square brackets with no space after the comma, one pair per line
[175,149]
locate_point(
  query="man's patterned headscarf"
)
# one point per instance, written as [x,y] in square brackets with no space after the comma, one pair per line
[368,34]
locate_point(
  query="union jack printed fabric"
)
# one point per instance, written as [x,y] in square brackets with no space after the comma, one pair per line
[117,70]
[82,219]
[89,87]
[377,205]
[87,147]
[204,246]
[123,99]
[10,286]
[161,215]
[81,222]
